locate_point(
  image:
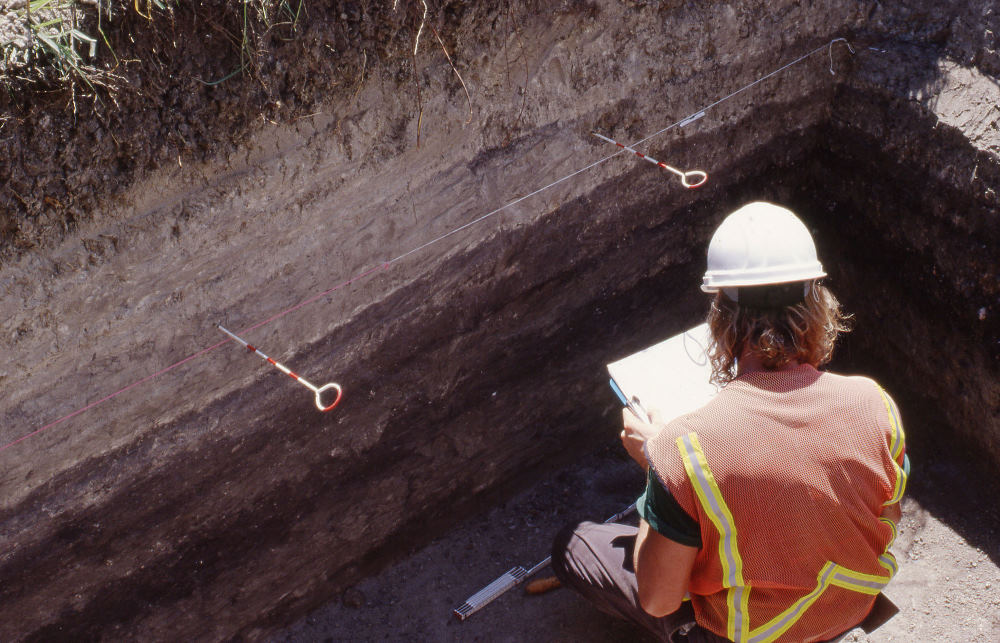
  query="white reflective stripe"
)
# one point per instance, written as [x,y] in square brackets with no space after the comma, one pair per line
[715,507]
[887,560]
[900,488]
[780,624]
[862,583]
[739,617]
[896,447]
[896,444]
[830,574]
[898,438]
[892,526]
[737,598]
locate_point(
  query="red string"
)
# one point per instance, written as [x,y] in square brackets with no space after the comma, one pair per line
[386,265]
[191,357]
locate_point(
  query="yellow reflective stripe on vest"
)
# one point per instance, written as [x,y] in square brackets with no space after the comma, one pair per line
[896,443]
[711,500]
[780,623]
[830,574]
[858,582]
[887,560]
[896,427]
[738,595]
[892,526]
[900,488]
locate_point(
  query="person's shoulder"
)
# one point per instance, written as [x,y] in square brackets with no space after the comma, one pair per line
[707,417]
[853,381]
[853,388]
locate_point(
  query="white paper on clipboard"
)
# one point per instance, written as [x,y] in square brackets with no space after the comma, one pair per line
[671,376]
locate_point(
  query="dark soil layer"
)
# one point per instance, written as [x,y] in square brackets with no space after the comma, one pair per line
[178,95]
[913,211]
[428,392]
[472,373]
[949,548]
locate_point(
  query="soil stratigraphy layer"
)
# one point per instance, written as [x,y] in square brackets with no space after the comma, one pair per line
[213,501]
[948,549]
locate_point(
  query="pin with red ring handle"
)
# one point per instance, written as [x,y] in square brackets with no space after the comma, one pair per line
[690,173]
[689,179]
[317,391]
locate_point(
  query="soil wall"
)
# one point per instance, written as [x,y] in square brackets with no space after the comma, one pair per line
[212,500]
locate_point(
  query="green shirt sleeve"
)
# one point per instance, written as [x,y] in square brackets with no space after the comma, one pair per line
[658,507]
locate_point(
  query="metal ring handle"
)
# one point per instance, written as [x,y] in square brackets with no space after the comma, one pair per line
[695,173]
[326,387]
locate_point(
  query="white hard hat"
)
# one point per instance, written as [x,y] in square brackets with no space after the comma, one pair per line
[760,244]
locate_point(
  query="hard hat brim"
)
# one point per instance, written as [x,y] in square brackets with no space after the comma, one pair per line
[717,279]
[760,244]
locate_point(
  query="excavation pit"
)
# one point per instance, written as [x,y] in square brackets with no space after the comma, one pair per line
[213,501]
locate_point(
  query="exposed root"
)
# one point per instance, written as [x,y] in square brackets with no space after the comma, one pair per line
[445,50]
[361,78]
[149,13]
[420,29]
[524,90]
[524,58]
[420,102]
[416,75]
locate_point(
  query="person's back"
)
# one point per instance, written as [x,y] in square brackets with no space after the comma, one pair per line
[787,473]
[773,506]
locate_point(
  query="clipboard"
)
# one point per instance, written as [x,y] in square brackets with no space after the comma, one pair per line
[671,376]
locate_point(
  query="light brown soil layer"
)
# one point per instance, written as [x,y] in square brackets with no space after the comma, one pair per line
[213,501]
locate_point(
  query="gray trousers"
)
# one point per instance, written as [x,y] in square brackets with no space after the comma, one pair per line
[595,559]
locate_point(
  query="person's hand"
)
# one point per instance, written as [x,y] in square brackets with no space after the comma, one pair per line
[636,432]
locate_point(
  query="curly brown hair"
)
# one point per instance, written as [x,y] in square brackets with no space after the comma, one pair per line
[805,332]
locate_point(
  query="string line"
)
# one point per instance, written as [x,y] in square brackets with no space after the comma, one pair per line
[385,265]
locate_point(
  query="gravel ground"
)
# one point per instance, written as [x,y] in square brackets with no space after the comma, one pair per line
[946,589]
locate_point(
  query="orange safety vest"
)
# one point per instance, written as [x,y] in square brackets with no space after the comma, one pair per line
[787,473]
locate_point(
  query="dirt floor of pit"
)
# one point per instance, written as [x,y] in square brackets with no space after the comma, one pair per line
[175,512]
[946,589]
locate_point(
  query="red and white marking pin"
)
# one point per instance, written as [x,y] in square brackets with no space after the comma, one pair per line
[318,391]
[690,179]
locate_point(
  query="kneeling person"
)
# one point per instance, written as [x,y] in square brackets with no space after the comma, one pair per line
[773,506]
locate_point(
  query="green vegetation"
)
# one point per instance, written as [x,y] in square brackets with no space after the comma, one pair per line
[42,38]
[60,42]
